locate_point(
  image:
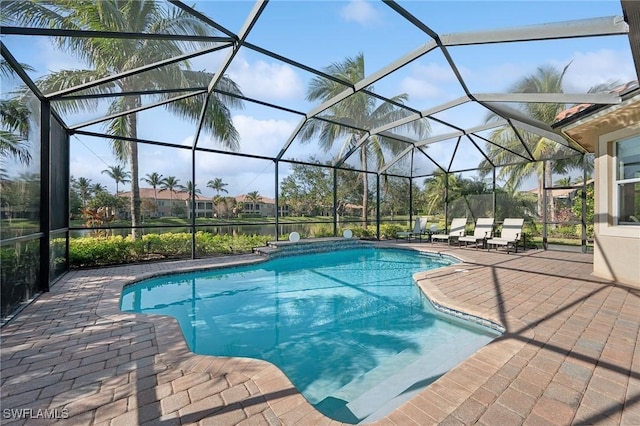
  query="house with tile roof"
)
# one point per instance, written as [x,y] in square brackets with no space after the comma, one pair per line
[612,133]
[169,203]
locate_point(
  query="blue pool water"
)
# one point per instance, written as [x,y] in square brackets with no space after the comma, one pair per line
[350,329]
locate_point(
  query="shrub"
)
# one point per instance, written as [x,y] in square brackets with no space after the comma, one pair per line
[99,251]
[389,230]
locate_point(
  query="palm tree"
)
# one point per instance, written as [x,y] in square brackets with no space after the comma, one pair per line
[110,56]
[98,188]
[155,180]
[170,183]
[361,111]
[190,189]
[565,181]
[84,188]
[435,190]
[217,185]
[14,121]
[118,174]
[14,132]
[546,79]
[254,197]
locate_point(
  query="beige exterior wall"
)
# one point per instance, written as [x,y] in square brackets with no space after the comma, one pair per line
[617,247]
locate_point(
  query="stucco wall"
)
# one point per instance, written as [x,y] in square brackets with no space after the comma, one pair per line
[617,247]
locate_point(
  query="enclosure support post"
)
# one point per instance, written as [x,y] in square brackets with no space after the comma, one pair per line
[335,202]
[193,202]
[410,201]
[45,193]
[277,233]
[493,192]
[583,196]
[446,202]
[378,205]
[544,205]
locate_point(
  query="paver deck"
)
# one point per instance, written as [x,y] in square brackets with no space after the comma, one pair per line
[570,354]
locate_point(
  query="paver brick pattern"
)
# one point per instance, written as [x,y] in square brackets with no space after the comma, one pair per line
[570,353]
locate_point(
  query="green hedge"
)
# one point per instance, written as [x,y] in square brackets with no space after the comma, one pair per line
[99,251]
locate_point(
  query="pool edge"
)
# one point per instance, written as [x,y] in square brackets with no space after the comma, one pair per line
[269,379]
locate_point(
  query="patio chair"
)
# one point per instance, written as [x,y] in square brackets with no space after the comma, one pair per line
[456,231]
[509,236]
[482,232]
[419,229]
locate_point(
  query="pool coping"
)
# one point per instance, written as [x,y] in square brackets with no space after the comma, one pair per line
[470,374]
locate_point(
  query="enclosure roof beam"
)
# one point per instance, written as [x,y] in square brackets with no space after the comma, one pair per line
[368,81]
[58,32]
[244,32]
[135,110]
[15,65]
[203,18]
[134,71]
[604,26]
[472,130]
[631,10]
[129,93]
[552,98]
[530,124]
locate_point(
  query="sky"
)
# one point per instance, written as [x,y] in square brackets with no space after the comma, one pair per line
[319,33]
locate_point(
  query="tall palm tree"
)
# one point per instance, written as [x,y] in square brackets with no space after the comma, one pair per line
[361,111]
[546,79]
[155,180]
[118,174]
[109,56]
[170,183]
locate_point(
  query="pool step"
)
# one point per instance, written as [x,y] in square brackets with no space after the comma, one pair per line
[375,402]
[369,395]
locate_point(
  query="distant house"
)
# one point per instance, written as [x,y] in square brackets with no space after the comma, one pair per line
[170,203]
[563,197]
[264,207]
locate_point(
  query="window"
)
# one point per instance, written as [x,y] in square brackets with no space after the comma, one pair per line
[627,181]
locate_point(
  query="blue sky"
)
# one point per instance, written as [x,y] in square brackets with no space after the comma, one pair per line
[318,33]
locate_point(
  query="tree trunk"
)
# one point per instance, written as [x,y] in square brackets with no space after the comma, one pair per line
[552,201]
[133,163]
[540,197]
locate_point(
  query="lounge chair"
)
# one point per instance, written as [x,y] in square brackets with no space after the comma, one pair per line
[456,230]
[419,229]
[482,231]
[509,236]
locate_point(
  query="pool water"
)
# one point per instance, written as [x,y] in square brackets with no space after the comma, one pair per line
[350,329]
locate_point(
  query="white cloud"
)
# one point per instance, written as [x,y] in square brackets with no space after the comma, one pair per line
[428,81]
[243,174]
[591,68]
[266,81]
[361,12]
[496,78]
[56,60]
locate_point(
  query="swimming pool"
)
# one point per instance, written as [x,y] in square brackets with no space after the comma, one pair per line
[350,329]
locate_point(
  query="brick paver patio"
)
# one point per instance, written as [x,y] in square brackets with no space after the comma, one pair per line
[570,355]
